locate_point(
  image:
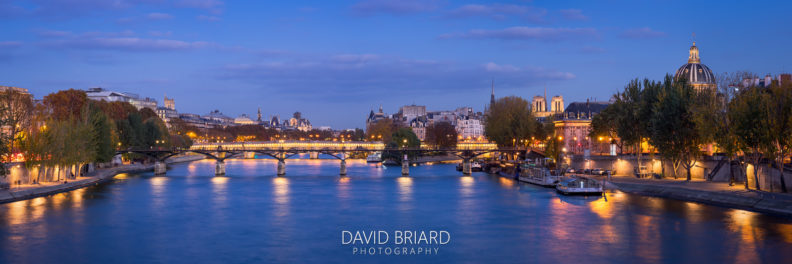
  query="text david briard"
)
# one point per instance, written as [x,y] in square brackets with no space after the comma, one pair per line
[397,242]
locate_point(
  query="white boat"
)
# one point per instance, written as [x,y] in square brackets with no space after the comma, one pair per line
[539,176]
[374,157]
[475,166]
[579,185]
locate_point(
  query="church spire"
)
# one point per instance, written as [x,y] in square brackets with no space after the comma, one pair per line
[492,96]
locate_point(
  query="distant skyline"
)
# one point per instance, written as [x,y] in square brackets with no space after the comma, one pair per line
[334,61]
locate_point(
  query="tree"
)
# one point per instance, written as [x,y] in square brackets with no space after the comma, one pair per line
[441,134]
[359,135]
[147,113]
[66,104]
[5,142]
[778,108]
[634,109]
[15,109]
[381,130]
[674,130]
[725,137]
[103,132]
[509,120]
[749,126]
[603,125]
[402,138]
[705,112]
[553,149]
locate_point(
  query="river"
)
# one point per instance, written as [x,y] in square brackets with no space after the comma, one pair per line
[252,216]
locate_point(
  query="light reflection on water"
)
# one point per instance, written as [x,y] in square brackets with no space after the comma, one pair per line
[250,215]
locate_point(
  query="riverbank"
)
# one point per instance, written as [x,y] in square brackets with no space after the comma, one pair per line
[713,193]
[99,176]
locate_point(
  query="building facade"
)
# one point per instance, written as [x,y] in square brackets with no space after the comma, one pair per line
[470,128]
[574,124]
[100,94]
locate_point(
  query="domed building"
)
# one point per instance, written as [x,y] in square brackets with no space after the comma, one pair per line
[698,75]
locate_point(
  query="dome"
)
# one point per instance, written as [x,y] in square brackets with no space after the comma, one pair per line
[697,74]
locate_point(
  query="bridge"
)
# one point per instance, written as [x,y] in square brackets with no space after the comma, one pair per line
[282,150]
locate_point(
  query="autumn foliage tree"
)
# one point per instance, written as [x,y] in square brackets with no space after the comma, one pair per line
[442,135]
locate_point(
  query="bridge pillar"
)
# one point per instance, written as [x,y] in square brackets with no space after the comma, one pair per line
[281,167]
[160,167]
[313,155]
[250,155]
[220,168]
[466,168]
[405,166]
[343,168]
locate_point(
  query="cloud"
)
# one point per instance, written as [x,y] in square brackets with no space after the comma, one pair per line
[134,44]
[53,33]
[213,6]
[492,67]
[10,44]
[355,58]
[158,16]
[157,33]
[208,18]
[9,9]
[393,7]
[527,33]
[534,72]
[498,12]
[354,75]
[574,14]
[9,50]
[65,9]
[642,33]
[70,9]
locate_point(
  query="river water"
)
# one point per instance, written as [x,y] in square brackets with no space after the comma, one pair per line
[252,216]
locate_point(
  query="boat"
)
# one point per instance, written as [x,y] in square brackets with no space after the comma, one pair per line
[476,166]
[539,175]
[579,185]
[374,157]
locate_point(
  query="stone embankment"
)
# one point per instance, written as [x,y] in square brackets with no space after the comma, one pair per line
[714,193]
[99,176]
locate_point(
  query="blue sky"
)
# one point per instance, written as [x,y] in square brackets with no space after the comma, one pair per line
[336,60]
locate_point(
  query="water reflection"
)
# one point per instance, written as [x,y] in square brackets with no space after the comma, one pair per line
[405,188]
[602,208]
[693,212]
[648,229]
[466,183]
[343,188]
[25,211]
[281,195]
[158,188]
[251,216]
[506,182]
[467,206]
[219,189]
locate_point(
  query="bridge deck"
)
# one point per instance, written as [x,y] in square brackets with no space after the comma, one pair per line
[324,145]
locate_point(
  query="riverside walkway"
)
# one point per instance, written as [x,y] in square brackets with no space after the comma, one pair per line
[714,193]
[29,191]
